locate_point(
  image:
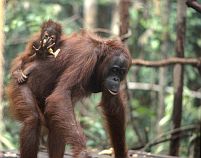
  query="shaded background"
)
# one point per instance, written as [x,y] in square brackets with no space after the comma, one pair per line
[150,104]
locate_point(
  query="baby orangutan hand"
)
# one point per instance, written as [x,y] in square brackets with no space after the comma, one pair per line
[20,76]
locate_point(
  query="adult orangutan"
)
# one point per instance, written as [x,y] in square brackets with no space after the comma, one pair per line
[86,64]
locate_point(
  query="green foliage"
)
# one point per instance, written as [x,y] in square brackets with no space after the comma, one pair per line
[9,139]
[145,43]
[90,117]
[23,19]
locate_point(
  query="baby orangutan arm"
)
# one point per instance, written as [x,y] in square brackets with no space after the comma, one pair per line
[22,75]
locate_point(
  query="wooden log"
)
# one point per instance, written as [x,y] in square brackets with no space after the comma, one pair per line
[132,154]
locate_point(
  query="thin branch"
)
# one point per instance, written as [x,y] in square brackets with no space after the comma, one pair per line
[169,61]
[169,138]
[174,131]
[123,37]
[194,4]
[103,30]
[155,87]
[140,154]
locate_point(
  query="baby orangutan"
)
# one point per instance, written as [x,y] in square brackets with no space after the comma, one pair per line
[40,47]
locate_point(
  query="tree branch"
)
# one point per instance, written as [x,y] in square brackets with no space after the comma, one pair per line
[155,87]
[183,135]
[194,4]
[169,61]
[174,131]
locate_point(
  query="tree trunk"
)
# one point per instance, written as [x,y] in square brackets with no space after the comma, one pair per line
[162,71]
[90,13]
[115,18]
[197,147]
[123,29]
[124,16]
[1,63]
[178,77]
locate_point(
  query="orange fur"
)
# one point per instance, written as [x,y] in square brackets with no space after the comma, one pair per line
[56,84]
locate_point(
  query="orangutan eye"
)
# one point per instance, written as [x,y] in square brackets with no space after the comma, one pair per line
[115,69]
[53,37]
